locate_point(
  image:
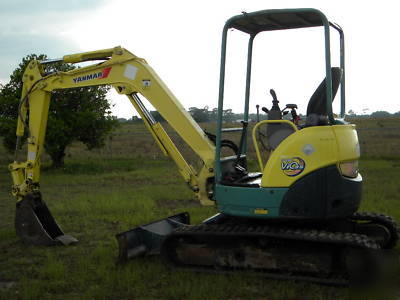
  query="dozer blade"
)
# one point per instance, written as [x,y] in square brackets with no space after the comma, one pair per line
[35,224]
[147,239]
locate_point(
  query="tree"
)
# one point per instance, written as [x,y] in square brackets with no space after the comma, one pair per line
[228,115]
[135,119]
[351,112]
[380,114]
[199,114]
[157,116]
[78,114]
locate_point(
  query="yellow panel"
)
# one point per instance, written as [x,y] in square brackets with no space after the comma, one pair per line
[347,140]
[315,146]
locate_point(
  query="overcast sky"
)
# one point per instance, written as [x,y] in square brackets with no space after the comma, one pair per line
[181,41]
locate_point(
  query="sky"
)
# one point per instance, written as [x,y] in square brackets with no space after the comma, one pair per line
[181,40]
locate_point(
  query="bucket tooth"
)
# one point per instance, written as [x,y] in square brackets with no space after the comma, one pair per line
[147,239]
[35,224]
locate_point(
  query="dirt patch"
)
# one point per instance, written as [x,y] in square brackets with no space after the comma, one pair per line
[169,203]
[5,285]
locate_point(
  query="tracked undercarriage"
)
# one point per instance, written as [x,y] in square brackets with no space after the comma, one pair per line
[313,252]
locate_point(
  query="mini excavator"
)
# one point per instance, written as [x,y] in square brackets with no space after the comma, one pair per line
[296,218]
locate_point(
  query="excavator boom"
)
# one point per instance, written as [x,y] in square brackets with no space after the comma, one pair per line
[129,75]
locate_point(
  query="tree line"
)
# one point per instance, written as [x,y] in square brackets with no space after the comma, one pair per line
[205,114]
[377,114]
[84,114]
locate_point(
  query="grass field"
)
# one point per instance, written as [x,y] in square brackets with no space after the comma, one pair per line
[129,182]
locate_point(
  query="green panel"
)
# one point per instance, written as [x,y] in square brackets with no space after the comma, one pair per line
[249,201]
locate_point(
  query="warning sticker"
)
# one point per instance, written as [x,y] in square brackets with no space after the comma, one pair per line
[130,72]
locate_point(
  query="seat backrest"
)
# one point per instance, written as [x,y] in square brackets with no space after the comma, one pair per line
[317,103]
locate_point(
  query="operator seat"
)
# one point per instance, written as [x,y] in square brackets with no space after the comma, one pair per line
[316,111]
[316,108]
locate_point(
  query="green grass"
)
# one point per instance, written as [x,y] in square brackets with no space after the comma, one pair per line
[96,196]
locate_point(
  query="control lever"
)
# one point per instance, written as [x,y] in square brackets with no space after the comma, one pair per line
[275,111]
[273,94]
[258,113]
[291,106]
[295,116]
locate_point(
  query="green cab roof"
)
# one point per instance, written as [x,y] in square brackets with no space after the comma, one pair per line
[277,19]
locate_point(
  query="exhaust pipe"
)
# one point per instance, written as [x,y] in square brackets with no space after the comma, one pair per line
[35,224]
[147,239]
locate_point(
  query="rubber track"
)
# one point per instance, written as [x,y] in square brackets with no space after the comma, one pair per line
[352,240]
[384,220]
